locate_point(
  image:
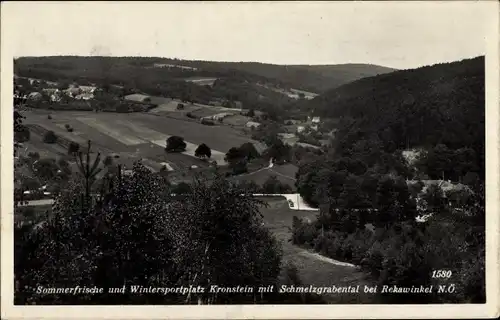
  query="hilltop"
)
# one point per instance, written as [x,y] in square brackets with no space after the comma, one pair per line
[192,74]
[439,104]
[313,78]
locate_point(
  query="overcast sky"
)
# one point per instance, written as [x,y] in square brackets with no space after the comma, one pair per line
[395,34]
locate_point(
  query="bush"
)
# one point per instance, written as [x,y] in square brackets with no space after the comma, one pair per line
[181,188]
[73,148]
[180,106]
[70,130]
[175,144]
[49,117]
[207,122]
[108,161]
[34,156]
[50,137]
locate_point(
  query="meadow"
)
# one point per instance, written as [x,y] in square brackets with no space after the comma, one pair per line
[313,269]
[136,135]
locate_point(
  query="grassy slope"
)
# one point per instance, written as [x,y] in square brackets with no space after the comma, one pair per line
[278,218]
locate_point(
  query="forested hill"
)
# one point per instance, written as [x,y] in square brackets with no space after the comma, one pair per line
[443,103]
[313,78]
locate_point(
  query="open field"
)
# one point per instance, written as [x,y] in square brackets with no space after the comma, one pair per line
[260,177]
[141,135]
[313,269]
[171,106]
[201,81]
[237,120]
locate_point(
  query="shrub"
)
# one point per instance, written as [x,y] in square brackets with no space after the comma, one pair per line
[50,137]
[73,148]
[49,117]
[34,155]
[175,144]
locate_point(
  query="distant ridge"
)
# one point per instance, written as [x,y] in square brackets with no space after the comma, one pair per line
[312,78]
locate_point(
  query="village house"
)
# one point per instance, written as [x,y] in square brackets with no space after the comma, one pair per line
[252,125]
[85,96]
[315,120]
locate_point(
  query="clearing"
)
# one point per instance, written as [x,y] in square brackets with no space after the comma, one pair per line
[140,135]
[313,268]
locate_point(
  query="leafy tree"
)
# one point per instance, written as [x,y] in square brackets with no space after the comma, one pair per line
[203,151]
[46,169]
[50,137]
[237,161]
[273,186]
[278,151]
[108,161]
[180,106]
[34,156]
[133,233]
[434,197]
[249,151]
[22,134]
[73,148]
[393,202]
[175,144]
[182,188]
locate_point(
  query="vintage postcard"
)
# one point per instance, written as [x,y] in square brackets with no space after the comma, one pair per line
[249,160]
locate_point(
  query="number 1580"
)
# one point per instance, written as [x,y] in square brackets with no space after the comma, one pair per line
[441,273]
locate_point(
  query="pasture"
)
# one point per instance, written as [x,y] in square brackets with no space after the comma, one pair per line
[237,120]
[171,107]
[136,135]
[284,174]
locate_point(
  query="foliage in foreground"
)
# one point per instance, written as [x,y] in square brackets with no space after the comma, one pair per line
[129,230]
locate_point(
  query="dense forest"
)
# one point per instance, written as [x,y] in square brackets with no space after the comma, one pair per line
[370,195]
[313,78]
[435,105]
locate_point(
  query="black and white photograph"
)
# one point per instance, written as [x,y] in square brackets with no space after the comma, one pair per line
[298,155]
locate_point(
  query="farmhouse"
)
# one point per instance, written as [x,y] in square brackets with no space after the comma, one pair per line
[315,120]
[87,89]
[301,129]
[73,92]
[292,122]
[252,125]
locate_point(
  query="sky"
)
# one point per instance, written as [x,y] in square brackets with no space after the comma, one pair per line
[401,35]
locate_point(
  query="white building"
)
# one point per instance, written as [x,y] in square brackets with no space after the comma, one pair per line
[252,124]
